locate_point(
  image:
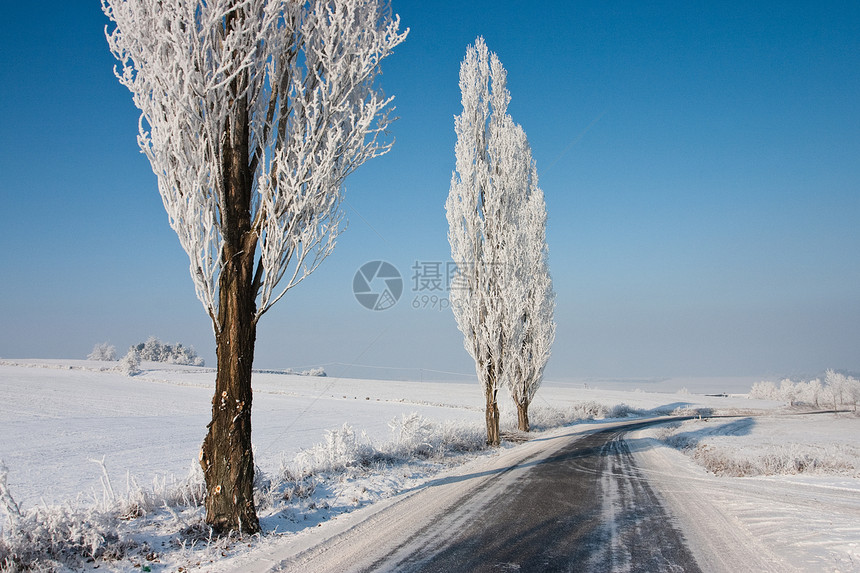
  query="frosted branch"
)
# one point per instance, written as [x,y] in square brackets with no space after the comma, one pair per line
[301,73]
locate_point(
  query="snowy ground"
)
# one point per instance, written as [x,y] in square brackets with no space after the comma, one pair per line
[152,424]
[57,416]
[766,493]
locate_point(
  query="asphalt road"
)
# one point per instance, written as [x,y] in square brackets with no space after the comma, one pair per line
[585,508]
[567,502]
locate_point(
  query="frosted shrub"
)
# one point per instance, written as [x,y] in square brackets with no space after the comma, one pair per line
[542,417]
[53,538]
[152,350]
[8,504]
[42,536]
[788,391]
[340,449]
[139,501]
[623,411]
[413,434]
[707,445]
[853,394]
[295,487]
[840,390]
[790,459]
[679,441]
[809,392]
[459,438]
[103,351]
[130,363]
[66,534]
[691,411]
[417,436]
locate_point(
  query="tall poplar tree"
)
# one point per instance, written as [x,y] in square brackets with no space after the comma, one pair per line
[497,218]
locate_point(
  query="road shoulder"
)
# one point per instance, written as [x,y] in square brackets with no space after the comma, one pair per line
[752,524]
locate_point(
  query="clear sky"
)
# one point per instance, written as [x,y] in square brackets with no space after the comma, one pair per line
[700,161]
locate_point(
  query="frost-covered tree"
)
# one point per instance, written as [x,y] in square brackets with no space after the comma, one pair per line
[764,390]
[788,391]
[476,216]
[130,363]
[815,391]
[532,305]
[810,391]
[496,219]
[252,114]
[853,392]
[836,387]
[156,351]
[103,351]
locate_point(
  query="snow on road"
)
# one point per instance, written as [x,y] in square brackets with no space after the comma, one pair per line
[386,535]
[778,524]
[571,500]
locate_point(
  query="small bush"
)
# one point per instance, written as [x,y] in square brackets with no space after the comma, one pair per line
[319,371]
[692,411]
[623,411]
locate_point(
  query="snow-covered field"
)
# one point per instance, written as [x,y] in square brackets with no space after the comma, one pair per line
[327,446]
[58,415]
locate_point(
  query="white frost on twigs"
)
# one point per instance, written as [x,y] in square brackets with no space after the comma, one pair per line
[300,74]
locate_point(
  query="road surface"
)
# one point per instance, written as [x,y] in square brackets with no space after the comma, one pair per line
[569,502]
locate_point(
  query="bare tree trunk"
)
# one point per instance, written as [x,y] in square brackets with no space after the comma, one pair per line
[492,415]
[226,457]
[492,410]
[523,416]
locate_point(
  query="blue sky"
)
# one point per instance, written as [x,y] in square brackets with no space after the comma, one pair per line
[700,161]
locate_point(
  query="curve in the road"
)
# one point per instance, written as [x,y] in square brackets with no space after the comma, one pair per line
[584,508]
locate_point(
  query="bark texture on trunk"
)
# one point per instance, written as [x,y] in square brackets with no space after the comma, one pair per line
[523,416]
[226,456]
[492,417]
